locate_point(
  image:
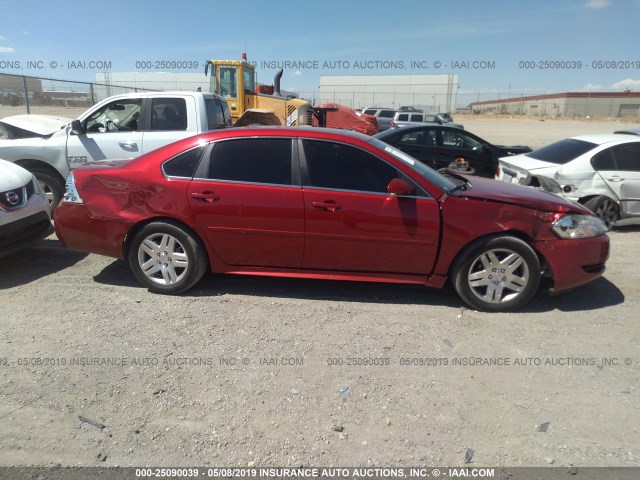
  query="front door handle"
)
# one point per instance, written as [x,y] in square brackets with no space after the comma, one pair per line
[328,205]
[129,145]
[209,197]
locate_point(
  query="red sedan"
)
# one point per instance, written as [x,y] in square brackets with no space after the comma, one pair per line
[322,203]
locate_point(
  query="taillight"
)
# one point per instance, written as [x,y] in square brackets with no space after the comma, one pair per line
[498,171]
[71,194]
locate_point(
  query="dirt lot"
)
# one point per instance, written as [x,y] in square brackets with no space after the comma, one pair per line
[246,371]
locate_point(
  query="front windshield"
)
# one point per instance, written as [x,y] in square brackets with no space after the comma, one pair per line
[562,152]
[424,171]
[229,82]
[248,79]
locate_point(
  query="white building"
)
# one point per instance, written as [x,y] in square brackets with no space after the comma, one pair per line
[431,93]
[163,81]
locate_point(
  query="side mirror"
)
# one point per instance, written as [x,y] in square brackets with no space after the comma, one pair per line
[399,187]
[76,128]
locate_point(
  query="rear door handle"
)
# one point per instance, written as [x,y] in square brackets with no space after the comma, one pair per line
[209,197]
[129,145]
[615,179]
[328,205]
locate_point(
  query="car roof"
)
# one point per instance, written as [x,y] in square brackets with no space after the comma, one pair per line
[416,127]
[276,131]
[629,131]
[170,93]
[603,138]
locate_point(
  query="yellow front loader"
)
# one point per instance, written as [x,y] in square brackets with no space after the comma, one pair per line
[235,80]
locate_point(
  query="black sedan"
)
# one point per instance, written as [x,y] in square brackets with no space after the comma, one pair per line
[440,147]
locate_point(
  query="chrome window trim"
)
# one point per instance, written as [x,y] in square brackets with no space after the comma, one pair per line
[381,194]
[239,182]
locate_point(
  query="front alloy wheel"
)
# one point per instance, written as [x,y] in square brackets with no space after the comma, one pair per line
[166,259]
[503,274]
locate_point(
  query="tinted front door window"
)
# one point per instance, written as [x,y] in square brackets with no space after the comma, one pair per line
[339,166]
[458,144]
[420,144]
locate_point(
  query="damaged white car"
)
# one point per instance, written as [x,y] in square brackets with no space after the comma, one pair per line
[30,126]
[24,209]
[602,172]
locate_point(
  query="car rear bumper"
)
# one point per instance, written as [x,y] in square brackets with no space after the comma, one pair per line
[78,230]
[575,262]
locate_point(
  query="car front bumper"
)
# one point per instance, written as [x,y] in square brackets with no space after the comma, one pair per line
[574,262]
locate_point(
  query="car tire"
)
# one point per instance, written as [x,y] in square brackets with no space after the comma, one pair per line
[51,186]
[498,274]
[166,258]
[605,209]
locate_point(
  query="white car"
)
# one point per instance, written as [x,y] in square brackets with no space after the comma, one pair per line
[602,172]
[24,209]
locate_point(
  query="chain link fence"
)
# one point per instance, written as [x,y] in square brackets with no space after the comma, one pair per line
[47,96]
[23,94]
[532,104]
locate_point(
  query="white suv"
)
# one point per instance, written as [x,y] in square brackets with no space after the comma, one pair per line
[384,116]
[24,209]
[409,119]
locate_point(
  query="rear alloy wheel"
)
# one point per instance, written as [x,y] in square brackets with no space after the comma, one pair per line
[499,275]
[167,259]
[605,209]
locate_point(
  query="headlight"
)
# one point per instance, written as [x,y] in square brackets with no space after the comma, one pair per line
[71,194]
[578,226]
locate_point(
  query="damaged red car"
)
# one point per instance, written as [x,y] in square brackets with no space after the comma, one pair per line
[326,204]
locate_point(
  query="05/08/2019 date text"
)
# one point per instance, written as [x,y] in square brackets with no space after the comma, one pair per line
[578,64]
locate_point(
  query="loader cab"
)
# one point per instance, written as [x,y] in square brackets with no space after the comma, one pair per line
[235,80]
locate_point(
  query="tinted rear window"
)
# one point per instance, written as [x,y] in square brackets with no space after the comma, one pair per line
[387,113]
[562,152]
[217,113]
[185,164]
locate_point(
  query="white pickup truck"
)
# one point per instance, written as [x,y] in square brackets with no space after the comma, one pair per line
[123,126]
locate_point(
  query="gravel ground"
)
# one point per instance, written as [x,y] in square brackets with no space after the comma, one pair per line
[249,371]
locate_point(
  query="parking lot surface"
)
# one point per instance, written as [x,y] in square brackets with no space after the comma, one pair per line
[249,371]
